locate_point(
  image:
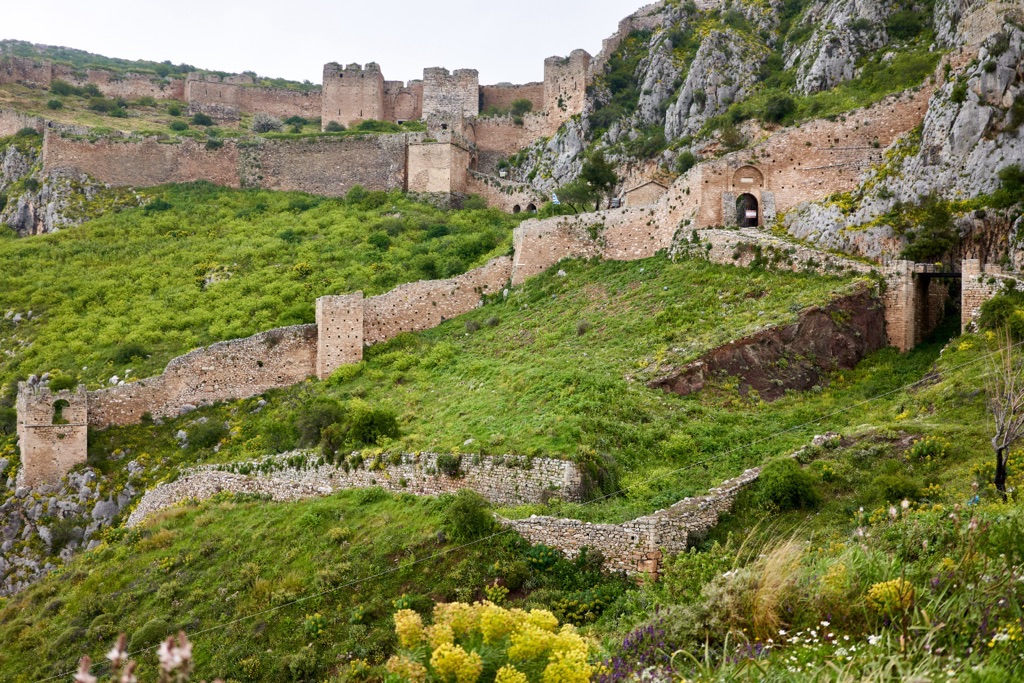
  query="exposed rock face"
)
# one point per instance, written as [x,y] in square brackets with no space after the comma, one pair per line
[723,72]
[844,32]
[795,356]
[660,74]
[967,138]
[552,163]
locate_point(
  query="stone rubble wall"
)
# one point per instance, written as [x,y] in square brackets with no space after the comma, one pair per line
[503,194]
[640,544]
[230,370]
[502,96]
[203,92]
[426,304]
[40,73]
[13,121]
[503,480]
[980,283]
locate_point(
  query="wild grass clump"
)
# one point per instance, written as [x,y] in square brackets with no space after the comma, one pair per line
[783,485]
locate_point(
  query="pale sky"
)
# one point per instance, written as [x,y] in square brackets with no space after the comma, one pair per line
[505,41]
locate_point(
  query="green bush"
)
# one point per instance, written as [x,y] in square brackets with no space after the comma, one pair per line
[214,144]
[374,126]
[368,426]
[126,353]
[174,110]
[151,633]
[201,119]
[59,87]
[1002,312]
[316,416]
[146,101]
[450,464]
[894,487]
[206,434]
[178,126]
[334,127]
[778,107]
[62,382]
[54,105]
[905,25]
[959,93]
[467,517]
[685,161]
[785,486]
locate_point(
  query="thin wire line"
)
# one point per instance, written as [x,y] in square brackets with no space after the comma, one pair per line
[447,551]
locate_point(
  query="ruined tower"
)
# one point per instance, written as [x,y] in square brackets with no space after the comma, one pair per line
[565,84]
[450,95]
[352,93]
[52,432]
[339,324]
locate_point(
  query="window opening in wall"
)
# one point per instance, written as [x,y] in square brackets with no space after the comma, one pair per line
[58,412]
[531,208]
[516,208]
[747,211]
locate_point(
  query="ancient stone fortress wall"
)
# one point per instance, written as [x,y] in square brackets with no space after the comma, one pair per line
[426,304]
[507,195]
[500,137]
[328,165]
[502,96]
[40,73]
[52,432]
[637,546]
[13,121]
[438,167]
[503,480]
[142,162]
[339,322]
[26,71]
[980,283]
[226,371]
[565,84]
[214,95]
[403,102]
[451,94]
[352,93]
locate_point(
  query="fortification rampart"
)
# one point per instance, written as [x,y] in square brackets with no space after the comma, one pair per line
[637,546]
[503,480]
[52,432]
[506,195]
[565,84]
[451,94]
[352,94]
[503,95]
[209,94]
[13,121]
[980,283]
[229,370]
[40,73]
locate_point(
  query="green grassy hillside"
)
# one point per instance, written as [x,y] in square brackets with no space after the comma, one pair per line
[201,264]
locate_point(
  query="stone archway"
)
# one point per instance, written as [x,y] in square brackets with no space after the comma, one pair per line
[747,178]
[517,209]
[748,214]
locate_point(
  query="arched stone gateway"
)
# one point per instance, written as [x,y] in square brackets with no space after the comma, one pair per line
[748,213]
[747,178]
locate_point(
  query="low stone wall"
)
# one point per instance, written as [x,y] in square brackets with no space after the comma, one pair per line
[503,480]
[638,545]
[503,194]
[980,283]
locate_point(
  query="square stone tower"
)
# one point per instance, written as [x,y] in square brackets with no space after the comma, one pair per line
[339,324]
[451,95]
[352,94]
[52,432]
[565,84]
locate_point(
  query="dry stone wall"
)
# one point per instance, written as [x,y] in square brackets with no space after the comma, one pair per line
[503,480]
[451,94]
[226,371]
[980,283]
[13,121]
[502,96]
[638,545]
[211,95]
[504,194]
[40,73]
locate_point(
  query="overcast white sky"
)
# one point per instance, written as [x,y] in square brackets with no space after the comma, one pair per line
[506,41]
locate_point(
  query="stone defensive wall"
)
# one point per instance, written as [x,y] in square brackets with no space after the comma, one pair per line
[502,96]
[40,73]
[980,283]
[507,195]
[213,95]
[225,371]
[13,121]
[503,480]
[324,165]
[637,546]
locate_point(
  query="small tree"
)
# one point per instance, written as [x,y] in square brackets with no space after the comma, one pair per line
[265,123]
[577,195]
[600,174]
[1005,385]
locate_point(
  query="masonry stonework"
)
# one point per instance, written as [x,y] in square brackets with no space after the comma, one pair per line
[211,95]
[980,283]
[52,432]
[565,84]
[352,94]
[503,95]
[339,322]
[451,95]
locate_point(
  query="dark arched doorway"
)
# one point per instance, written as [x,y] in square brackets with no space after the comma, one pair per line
[516,208]
[532,208]
[747,213]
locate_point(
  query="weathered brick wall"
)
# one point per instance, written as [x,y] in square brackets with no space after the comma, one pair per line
[226,371]
[980,282]
[142,162]
[328,166]
[402,102]
[426,304]
[499,137]
[503,194]
[503,480]
[48,450]
[565,84]
[27,71]
[203,92]
[13,121]
[502,96]
[127,85]
[638,545]
[352,94]
[451,94]
[339,322]
[644,194]
[437,167]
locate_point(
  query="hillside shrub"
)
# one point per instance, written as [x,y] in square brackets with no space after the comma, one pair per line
[265,123]
[778,107]
[450,464]
[316,416]
[685,161]
[783,485]
[206,434]
[467,517]
[54,104]
[369,425]
[126,353]
[201,119]
[174,110]
[334,127]
[178,126]
[1003,312]
[151,633]
[894,487]
[905,25]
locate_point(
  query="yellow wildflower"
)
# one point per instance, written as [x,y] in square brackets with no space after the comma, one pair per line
[529,643]
[408,670]
[508,674]
[542,619]
[495,623]
[455,665]
[408,628]
[891,596]
[568,667]
[439,634]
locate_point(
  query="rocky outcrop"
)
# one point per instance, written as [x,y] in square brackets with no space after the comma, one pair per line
[796,356]
[723,72]
[844,32]
[970,133]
